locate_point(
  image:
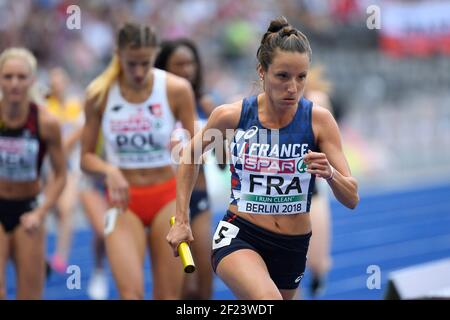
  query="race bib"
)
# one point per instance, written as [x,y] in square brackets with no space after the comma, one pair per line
[273,186]
[18,158]
[225,232]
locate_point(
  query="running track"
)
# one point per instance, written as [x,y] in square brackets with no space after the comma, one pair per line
[390,230]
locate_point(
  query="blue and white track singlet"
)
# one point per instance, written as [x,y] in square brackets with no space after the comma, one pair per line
[268,175]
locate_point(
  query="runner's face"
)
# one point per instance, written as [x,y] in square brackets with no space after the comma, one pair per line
[284,80]
[182,63]
[15,80]
[136,64]
[58,81]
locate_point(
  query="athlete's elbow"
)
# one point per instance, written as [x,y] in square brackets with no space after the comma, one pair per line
[353,202]
[354,196]
[84,163]
[187,157]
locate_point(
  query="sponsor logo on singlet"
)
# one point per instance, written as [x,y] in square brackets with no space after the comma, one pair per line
[273,178]
[132,135]
[155,109]
[135,136]
[18,158]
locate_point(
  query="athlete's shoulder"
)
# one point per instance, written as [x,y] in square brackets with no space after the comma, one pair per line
[95,102]
[45,116]
[227,116]
[176,84]
[180,95]
[49,124]
[320,113]
[320,98]
[322,120]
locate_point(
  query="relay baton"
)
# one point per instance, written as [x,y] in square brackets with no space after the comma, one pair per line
[185,254]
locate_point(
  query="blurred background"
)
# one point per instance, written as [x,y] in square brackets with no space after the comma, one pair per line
[390,76]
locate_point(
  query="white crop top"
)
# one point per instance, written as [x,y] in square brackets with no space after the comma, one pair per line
[137,135]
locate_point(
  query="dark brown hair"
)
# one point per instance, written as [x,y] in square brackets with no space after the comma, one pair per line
[282,35]
[167,49]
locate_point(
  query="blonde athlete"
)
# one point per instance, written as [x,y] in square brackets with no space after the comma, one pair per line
[136,107]
[27,133]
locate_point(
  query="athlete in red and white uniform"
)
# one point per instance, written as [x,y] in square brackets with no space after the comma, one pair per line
[136,107]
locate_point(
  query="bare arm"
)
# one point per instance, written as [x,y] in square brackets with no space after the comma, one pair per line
[92,163]
[222,118]
[207,105]
[182,98]
[51,134]
[331,162]
[72,139]
[222,159]
[320,98]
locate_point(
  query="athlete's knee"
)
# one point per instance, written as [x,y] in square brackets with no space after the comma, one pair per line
[192,295]
[29,295]
[167,294]
[2,290]
[196,294]
[319,266]
[31,286]
[30,290]
[132,291]
[270,296]
[130,294]
[65,211]
[205,290]
[266,295]
[99,232]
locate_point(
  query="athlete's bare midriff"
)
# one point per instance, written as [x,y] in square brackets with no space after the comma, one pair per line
[144,177]
[293,224]
[19,190]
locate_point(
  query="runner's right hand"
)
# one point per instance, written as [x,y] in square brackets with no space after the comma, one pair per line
[117,188]
[177,234]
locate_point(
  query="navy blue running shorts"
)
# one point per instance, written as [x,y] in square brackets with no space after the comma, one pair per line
[284,255]
[12,210]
